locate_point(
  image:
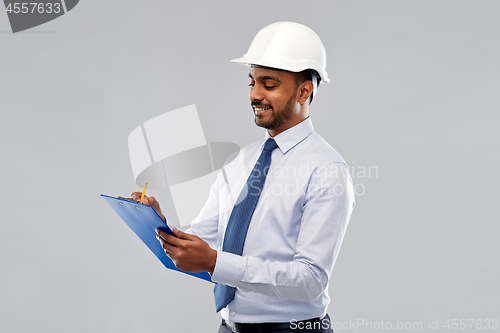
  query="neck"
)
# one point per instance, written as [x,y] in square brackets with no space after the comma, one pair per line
[300,116]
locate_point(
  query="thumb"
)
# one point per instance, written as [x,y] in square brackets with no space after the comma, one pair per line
[178,233]
[181,234]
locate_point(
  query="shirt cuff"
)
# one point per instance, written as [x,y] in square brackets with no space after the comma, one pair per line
[229,268]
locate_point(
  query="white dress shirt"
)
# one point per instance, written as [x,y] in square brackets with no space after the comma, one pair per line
[295,232]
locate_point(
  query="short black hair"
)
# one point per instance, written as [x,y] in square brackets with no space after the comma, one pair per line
[307,75]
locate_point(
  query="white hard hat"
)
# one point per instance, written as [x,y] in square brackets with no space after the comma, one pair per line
[289,46]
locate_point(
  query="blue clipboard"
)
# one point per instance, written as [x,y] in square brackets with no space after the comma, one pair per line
[143,220]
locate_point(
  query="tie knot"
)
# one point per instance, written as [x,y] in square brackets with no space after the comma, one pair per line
[270,145]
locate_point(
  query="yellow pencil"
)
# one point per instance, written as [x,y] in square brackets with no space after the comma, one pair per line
[143,192]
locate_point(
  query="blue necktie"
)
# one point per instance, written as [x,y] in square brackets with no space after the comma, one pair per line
[237,226]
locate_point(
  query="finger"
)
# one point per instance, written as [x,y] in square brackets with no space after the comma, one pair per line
[167,247]
[146,200]
[182,235]
[168,237]
[136,196]
[171,257]
[162,233]
[149,201]
[177,232]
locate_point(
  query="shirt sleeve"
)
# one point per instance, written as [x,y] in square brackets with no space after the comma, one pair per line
[328,204]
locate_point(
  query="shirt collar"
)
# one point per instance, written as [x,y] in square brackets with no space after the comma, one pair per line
[288,139]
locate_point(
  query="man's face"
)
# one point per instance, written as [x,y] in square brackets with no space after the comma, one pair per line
[273,96]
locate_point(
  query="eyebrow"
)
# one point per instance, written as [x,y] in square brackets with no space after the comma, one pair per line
[265,77]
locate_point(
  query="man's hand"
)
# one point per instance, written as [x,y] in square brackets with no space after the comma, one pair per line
[150,201]
[188,252]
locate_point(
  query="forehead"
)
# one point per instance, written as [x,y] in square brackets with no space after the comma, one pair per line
[258,73]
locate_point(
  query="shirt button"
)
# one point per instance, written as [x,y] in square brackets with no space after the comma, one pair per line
[233,313]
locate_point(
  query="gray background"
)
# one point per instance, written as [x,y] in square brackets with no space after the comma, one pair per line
[414,93]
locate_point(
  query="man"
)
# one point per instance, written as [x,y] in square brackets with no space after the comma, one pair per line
[275,218]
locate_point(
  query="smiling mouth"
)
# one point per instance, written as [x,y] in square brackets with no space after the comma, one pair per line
[262,109]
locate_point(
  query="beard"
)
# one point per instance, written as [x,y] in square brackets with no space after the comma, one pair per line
[279,117]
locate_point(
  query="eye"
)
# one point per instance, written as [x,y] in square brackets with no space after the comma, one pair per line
[270,87]
[252,84]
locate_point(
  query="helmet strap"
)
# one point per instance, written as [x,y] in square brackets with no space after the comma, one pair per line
[314,79]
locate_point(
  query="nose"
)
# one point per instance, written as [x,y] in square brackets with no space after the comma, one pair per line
[256,93]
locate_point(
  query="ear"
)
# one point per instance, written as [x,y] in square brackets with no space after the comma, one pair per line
[305,90]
